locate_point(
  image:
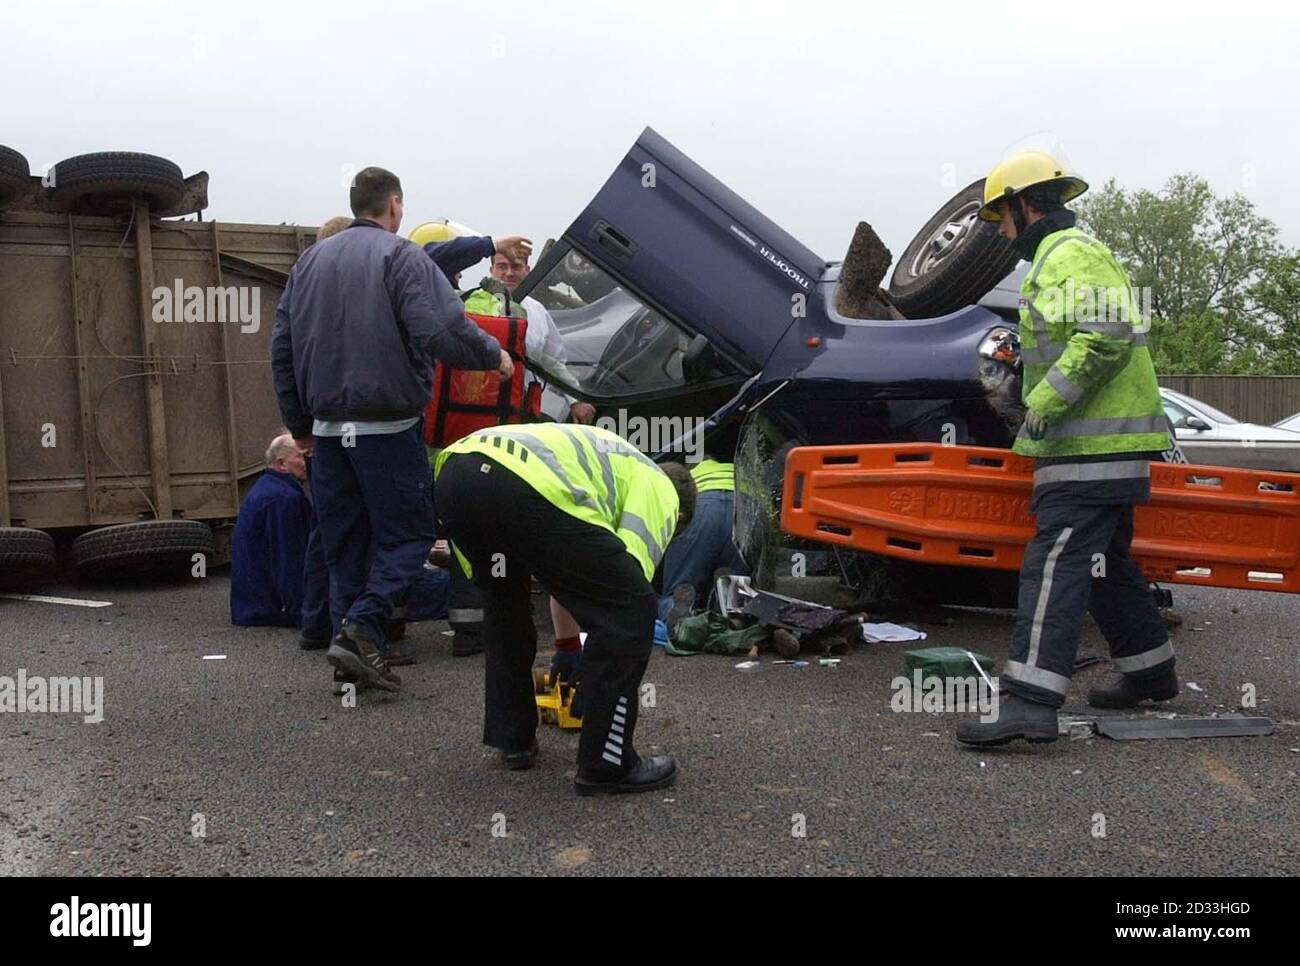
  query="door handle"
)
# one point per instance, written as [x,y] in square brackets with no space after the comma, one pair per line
[613,241]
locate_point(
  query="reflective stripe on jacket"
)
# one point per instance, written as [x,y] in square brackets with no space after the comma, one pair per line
[1087,368]
[712,475]
[589,473]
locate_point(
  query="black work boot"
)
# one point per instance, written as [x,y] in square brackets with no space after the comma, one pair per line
[466,643]
[1127,691]
[646,775]
[1017,718]
[354,652]
[520,760]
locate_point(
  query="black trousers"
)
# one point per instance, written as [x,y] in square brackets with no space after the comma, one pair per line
[509,534]
[1079,561]
[464,607]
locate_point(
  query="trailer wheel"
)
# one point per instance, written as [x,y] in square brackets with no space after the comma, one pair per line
[108,182]
[14,172]
[953,261]
[25,555]
[149,548]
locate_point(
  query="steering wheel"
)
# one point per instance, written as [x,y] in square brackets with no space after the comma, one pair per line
[636,356]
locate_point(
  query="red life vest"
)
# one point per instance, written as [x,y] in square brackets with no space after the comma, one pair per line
[465,401]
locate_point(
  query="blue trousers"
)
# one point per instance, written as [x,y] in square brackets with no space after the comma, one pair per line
[316,622]
[1077,562]
[377,492]
[702,548]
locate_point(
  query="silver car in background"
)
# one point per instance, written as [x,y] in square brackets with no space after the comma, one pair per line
[1206,435]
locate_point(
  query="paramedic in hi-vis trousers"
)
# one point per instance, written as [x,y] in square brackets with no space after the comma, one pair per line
[589,516]
[1093,422]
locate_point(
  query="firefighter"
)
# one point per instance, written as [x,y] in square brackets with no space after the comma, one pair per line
[590,517]
[1093,422]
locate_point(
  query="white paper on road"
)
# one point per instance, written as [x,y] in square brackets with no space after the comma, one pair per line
[71,601]
[890,634]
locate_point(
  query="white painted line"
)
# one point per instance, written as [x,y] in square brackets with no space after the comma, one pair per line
[214,657]
[73,601]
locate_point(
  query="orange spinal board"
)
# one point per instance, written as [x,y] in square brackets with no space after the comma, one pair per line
[969,506]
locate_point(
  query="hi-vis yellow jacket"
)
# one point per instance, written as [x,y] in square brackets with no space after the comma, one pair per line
[1087,369]
[712,475]
[589,473]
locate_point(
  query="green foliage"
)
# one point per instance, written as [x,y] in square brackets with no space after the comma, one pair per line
[1224,294]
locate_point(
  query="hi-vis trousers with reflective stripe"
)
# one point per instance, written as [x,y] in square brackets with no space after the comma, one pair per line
[1078,561]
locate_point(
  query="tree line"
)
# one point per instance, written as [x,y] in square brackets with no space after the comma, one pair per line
[1224,291]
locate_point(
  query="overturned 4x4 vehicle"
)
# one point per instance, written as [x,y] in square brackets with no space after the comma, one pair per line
[677,299]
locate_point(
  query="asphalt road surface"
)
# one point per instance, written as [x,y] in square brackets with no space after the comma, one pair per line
[784,770]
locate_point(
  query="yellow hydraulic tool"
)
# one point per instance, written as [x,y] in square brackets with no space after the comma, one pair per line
[555,700]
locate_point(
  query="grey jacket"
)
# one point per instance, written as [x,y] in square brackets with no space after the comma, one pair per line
[363,318]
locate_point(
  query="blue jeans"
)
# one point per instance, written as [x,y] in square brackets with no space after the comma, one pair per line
[702,548]
[377,492]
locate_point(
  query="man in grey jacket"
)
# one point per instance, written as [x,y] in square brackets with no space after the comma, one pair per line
[364,317]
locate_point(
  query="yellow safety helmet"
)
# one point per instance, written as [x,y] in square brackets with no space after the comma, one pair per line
[1027,169]
[434,231]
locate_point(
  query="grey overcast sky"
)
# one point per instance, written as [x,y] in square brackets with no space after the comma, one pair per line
[508,116]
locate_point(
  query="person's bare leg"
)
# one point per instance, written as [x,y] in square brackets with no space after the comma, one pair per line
[562,621]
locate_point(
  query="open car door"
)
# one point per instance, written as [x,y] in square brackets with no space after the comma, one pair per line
[669,289]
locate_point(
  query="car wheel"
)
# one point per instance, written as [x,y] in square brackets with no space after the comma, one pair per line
[148,548]
[109,182]
[14,172]
[26,555]
[953,261]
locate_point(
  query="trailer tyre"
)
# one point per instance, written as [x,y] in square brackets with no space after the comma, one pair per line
[953,261]
[148,548]
[108,182]
[14,172]
[25,555]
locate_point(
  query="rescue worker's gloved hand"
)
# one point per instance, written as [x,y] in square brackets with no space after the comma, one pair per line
[566,666]
[1035,426]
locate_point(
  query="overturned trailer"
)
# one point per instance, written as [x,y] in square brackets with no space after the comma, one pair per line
[135,401]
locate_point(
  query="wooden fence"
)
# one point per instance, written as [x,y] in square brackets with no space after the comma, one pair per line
[1251,399]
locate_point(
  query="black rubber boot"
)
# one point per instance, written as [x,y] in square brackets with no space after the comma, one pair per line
[1126,691]
[1018,718]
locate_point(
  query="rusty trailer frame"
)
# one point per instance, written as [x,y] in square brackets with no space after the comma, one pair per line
[110,413]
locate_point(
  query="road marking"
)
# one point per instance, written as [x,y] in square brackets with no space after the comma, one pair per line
[73,601]
[214,657]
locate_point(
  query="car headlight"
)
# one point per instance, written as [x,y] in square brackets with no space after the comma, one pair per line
[1001,344]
